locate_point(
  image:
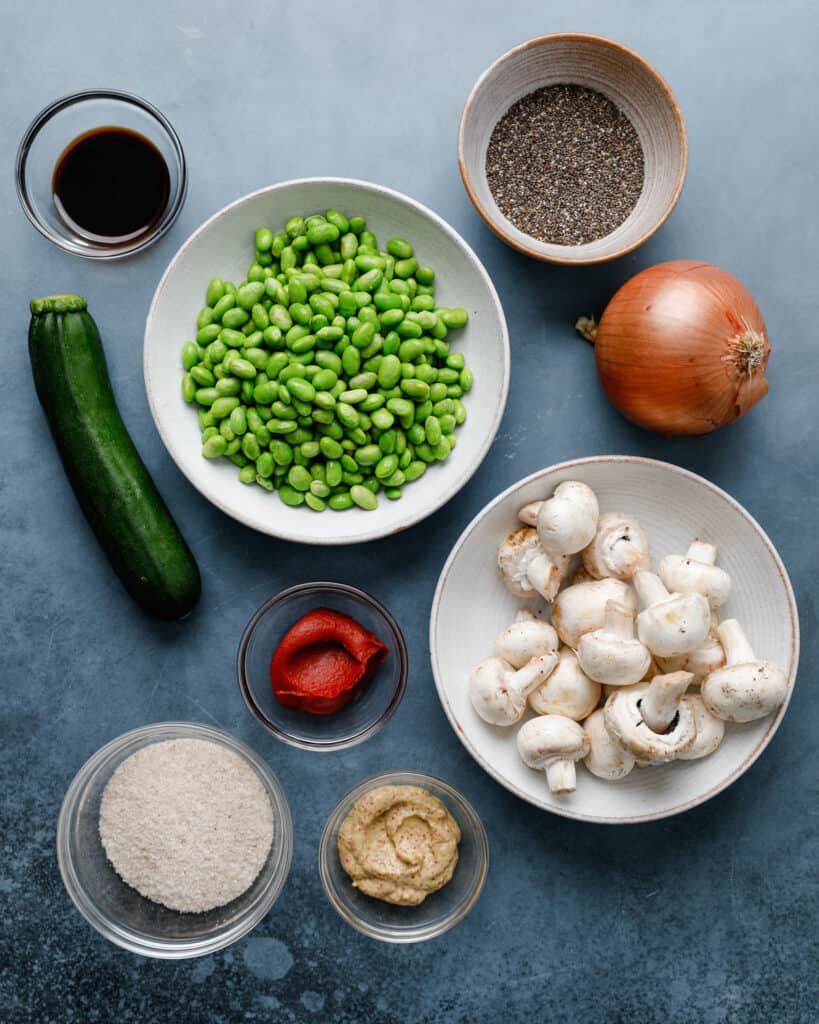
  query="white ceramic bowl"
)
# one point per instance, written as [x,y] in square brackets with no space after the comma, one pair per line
[472,606]
[223,246]
[627,80]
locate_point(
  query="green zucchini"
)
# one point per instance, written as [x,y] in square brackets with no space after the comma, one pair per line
[112,485]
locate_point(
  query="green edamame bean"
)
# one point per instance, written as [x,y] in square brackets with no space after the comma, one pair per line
[223,406]
[301,389]
[368,455]
[243,368]
[400,407]
[290,496]
[363,497]
[325,402]
[324,380]
[409,329]
[283,411]
[416,434]
[410,351]
[238,421]
[228,387]
[235,318]
[412,387]
[322,234]
[347,415]
[299,478]
[387,301]
[456,317]
[214,447]
[264,239]
[190,355]
[205,317]
[437,391]
[341,501]
[338,219]
[459,412]
[216,351]
[432,429]
[353,396]
[448,376]
[425,275]
[264,465]
[351,360]
[314,502]
[466,379]
[369,281]
[347,304]
[206,396]
[414,470]
[251,448]
[399,248]
[422,302]
[247,474]
[205,335]
[389,371]
[202,376]
[265,393]
[258,315]
[214,292]
[281,452]
[405,268]
[188,388]
[386,466]
[330,449]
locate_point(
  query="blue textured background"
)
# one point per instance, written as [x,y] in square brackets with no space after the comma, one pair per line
[708,917]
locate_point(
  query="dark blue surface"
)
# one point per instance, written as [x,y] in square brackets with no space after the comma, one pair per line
[709,917]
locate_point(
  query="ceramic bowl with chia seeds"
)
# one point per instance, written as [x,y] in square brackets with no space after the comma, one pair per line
[572,149]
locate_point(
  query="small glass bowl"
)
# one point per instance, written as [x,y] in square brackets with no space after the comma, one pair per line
[441,910]
[119,912]
[366,713]
[56,127]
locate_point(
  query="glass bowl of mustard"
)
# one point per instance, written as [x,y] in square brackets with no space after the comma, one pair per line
[381,812]
[101,173]
[374,702]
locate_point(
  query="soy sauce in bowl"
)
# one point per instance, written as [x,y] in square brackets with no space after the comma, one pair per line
[111,184]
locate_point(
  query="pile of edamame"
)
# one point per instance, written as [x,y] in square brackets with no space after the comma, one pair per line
[327,375]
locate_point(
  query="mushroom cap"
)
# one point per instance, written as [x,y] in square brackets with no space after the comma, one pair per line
[527,570]
[549,738]
[568,691]
[610,659]
[710,730]
[619,548]
[581,608]
[685,575]
[676,625]
[606,758]
[525,639]
[625,723]
[567,521]
[515,555]
[744,692]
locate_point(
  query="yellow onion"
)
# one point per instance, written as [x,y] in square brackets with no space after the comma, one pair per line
[681,348]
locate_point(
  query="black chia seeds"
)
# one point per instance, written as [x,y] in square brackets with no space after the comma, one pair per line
[565,165]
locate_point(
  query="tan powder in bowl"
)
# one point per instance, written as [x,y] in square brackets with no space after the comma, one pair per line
[187,823]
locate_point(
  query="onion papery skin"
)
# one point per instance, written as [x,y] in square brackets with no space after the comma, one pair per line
[682,348]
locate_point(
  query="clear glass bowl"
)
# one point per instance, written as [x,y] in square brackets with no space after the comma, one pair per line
[119,912]
[366,713]
[56,127]
[441,910]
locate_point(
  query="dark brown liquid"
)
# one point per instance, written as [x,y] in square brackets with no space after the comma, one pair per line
[111,183]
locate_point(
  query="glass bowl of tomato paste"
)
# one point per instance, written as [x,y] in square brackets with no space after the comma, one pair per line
[362,689]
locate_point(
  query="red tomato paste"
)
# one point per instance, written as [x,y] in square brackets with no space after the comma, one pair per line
[324,661]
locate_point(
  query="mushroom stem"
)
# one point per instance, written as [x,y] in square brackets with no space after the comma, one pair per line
[619,620]
[701,551]
[650,588]
[734,642]
[532,674]
[562,777]
[662,700]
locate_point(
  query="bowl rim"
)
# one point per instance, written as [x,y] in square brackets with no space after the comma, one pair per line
[439,498]
[135,942]
[606,43]
[774,720]
[169,215]
[328,849]
[400,647]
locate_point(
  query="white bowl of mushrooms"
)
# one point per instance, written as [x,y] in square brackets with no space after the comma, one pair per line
[614,639]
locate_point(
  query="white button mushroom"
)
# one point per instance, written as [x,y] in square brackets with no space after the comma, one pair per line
[552,743]
[528,637]
[612,654]
[624,720]
[661,701]
[670,623]
[619,548]
[696,573]
[581,608]
[568,691]
[567,521]
[606,758]
[527,569]
[710,730]
[746,688]
[701,661]
[498,691]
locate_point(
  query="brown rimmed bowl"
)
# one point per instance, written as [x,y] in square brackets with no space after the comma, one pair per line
[619,74]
